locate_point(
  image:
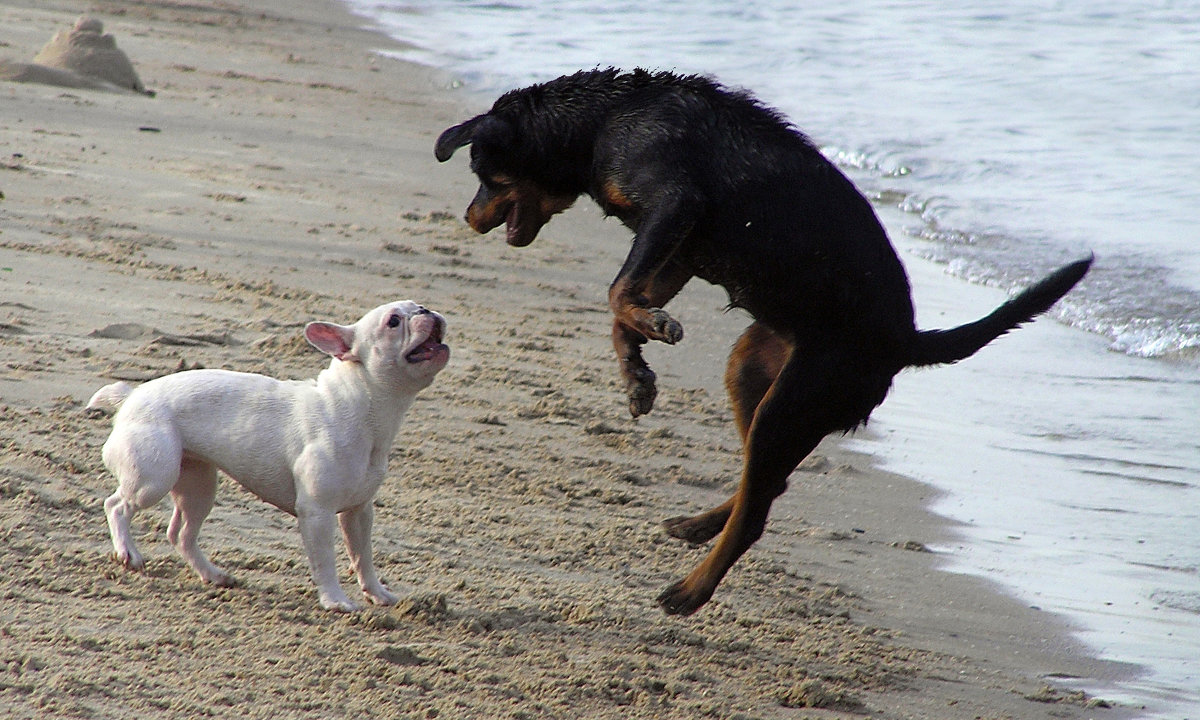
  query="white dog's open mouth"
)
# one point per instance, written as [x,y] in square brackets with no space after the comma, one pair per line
[429,346]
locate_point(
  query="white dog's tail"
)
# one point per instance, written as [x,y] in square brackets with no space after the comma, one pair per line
[110,397]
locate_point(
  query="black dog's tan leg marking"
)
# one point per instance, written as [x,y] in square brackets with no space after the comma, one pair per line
[650,276]
[628,340]
[788,423]
[755,362]
[637,311]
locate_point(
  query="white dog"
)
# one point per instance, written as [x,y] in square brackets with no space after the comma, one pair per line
[316,449]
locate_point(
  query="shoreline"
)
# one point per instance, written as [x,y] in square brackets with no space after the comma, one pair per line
[291,178]
[1064,497]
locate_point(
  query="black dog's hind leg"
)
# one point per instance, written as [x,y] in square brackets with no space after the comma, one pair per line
[628,339]
[757,357]
[814,394]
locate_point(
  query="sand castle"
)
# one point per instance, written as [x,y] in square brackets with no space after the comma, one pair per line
[82,57]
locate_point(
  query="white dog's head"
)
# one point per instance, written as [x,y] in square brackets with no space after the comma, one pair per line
[400,342]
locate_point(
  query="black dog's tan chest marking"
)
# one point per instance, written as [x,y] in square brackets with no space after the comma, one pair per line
[614,201]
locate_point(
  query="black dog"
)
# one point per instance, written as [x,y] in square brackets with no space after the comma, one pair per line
[717,186]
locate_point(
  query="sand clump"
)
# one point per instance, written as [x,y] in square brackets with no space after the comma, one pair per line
[82,57]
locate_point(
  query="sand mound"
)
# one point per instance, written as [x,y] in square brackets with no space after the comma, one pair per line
[82,57]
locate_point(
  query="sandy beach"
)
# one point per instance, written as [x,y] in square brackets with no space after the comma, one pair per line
[283,172]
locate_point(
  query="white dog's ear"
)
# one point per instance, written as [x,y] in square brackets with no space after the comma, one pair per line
[332,339]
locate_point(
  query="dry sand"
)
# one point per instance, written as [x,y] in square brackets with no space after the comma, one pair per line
[284,173]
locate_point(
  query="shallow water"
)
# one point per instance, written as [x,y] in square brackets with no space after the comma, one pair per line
[1014,139]
[999,143]
[1072,471]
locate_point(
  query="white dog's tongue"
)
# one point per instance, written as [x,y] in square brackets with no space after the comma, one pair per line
[431,344]
[424,351]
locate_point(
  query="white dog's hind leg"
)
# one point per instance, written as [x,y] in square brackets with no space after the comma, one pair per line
[146,464]
[193,496]
[119,512]
[356,529]
[316,530]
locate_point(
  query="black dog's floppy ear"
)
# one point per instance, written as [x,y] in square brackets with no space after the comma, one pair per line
[454,138]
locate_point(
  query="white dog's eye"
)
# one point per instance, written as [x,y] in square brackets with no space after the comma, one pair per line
[394,321]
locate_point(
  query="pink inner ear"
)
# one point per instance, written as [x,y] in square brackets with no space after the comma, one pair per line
[329,338]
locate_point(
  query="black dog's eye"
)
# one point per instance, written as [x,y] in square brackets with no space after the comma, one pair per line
[496,182]
[394,321]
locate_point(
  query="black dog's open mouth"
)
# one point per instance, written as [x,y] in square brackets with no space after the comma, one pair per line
[514,233]
[429,347]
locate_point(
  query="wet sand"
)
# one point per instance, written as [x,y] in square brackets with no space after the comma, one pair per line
[284,173]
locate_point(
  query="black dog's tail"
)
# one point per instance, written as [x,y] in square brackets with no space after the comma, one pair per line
[937,347]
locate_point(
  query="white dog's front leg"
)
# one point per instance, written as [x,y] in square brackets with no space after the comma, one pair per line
[356,528]
[316,529]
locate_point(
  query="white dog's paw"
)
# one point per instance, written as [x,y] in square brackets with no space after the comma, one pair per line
[219,579]
[381,596]
[130,558]
[339,603]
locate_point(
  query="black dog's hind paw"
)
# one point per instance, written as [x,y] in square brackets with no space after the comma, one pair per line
[687,529]
[679,600]
[666,328]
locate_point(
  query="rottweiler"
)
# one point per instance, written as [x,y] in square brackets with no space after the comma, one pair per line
[716,185]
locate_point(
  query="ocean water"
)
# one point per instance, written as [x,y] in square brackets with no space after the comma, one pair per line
[999,143]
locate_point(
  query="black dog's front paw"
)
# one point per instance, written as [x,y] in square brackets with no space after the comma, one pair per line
[666,328]
[642,390]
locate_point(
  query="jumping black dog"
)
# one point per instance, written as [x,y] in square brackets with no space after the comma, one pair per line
[715,185]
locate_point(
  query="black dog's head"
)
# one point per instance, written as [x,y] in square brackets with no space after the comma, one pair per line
[508,189]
